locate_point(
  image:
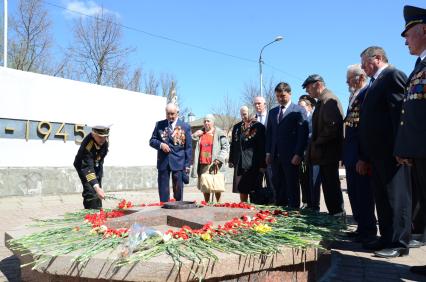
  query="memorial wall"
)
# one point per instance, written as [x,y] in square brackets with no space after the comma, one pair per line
[43,119]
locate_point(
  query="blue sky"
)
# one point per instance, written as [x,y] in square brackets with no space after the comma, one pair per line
[321,37]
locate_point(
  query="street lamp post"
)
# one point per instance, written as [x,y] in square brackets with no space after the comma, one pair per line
[278,38]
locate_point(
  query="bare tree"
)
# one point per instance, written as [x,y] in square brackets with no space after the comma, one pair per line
[151,84]
[226,114]
[168,86]
[97,52]
[269,93]
[135,81]
[251,90]
[30,38]
[1,44]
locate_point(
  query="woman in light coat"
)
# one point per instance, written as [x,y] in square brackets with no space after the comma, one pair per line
[211,150]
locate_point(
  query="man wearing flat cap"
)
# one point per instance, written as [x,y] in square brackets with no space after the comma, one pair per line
[326,141]
[172,140]
[89,165]
[410,147]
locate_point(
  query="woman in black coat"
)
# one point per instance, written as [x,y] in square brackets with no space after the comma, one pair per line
[247,154]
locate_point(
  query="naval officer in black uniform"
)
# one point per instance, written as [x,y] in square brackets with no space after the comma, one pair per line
[410,147]
[89,165]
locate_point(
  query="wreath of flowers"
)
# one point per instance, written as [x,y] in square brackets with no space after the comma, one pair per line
[264,233]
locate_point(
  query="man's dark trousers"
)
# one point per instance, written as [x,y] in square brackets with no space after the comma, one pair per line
[390,184]
[331,187]
[361,196]
[90,197]
[285,178]
[419,176]
[164,185]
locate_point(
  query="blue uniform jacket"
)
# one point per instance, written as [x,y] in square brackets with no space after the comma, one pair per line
[179,142]
[351,142]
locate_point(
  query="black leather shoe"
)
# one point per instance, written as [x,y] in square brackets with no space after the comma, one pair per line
[351,234]
[418,269]
[374,245]
[392,252]
[415,244]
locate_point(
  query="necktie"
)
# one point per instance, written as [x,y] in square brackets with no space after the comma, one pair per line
[170,127]
[281,114]
[368,88]
[417,62]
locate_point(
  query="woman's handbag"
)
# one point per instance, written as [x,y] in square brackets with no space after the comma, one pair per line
[212,183]
[262,194]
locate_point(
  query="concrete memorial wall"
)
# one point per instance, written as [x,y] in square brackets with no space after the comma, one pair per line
[43,119]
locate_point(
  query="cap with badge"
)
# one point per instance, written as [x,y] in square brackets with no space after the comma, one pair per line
[413,15]
[101,129]
[312,79]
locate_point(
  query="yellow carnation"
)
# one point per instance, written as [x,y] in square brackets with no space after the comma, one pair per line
[262,228]
[206,236]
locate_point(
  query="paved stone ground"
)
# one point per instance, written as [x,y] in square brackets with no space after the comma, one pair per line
[349,262]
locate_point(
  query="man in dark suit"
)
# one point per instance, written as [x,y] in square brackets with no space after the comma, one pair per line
[409,145]
[286,138]
[325,147]
[172,138]
[361,196]
[379,120]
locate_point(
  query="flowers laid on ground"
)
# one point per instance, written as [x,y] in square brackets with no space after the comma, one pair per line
[265,232]
[125,204]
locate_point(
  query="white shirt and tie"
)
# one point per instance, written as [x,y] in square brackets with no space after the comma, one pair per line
[172,125]
[282,110]
[261,117]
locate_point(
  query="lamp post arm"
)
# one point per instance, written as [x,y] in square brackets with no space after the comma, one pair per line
[278,38]
[260,67]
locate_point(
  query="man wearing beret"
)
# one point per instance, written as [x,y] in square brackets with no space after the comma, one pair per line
[326,141]
[379,120]
[172,140]
[410,146]
[89,165]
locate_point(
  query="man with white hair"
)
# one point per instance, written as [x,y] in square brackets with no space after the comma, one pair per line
[172,139]
[259,104]
[361,196]
[409,144]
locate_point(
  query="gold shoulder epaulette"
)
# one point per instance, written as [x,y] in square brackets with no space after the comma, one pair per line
[89,146]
